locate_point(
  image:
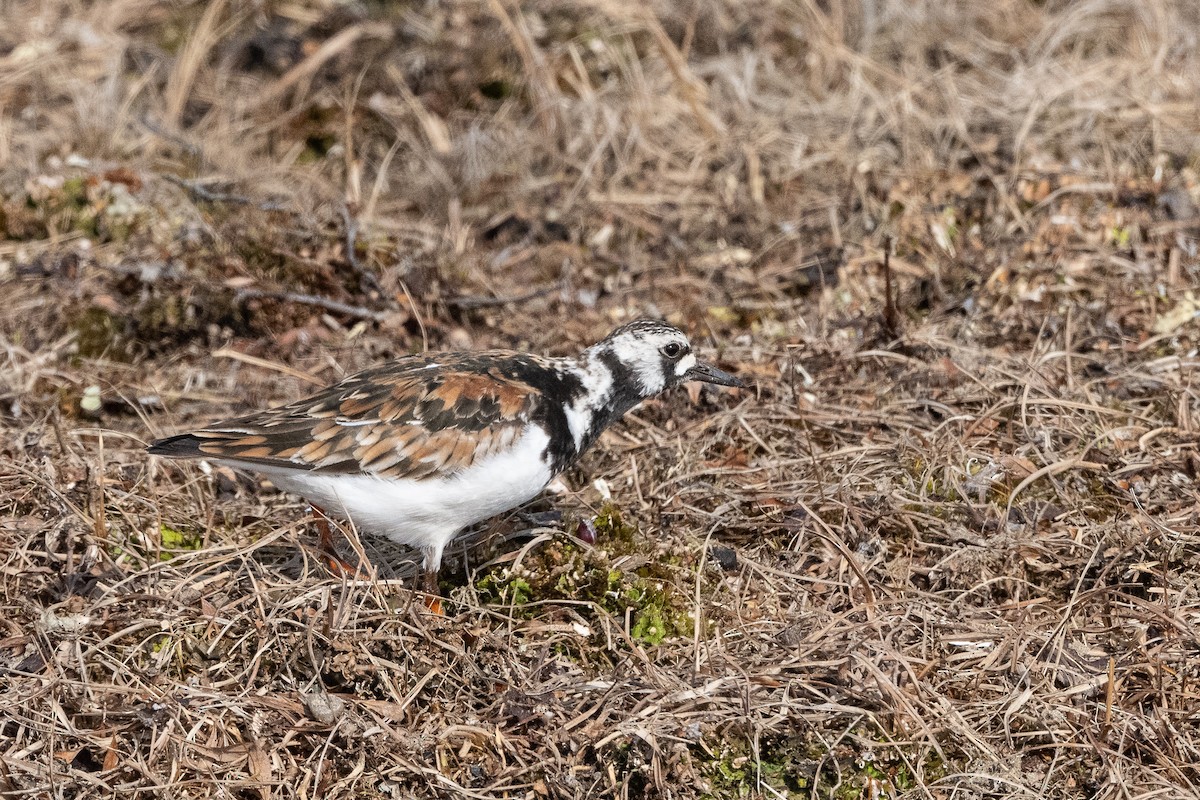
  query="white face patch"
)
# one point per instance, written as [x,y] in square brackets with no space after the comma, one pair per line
[641,351]
[685,363]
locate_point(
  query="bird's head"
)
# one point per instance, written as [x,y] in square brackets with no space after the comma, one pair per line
[656,356]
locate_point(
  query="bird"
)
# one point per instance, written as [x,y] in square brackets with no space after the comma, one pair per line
[421,448]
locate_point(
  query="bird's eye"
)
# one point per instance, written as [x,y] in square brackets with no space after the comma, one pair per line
[672,349]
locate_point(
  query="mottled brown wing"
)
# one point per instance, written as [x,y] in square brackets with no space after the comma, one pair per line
[410,419]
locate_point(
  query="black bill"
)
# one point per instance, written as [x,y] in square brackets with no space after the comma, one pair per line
[710,374]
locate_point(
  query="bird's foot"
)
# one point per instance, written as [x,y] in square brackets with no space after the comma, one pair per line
[341,568]
[328,549]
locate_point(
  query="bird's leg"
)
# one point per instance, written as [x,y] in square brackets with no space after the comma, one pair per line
[429,580]
[328,548]
[429,585]
[324,531]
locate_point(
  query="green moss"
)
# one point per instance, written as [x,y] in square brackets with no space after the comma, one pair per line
[786,765]
[98,334]
[74,192]
[174,541]
[728,778]
[565,570]
[790,765]
[652,626]
[929,484]
[171,542]
[65,208]
[104,210]
[614,531]
[498,588]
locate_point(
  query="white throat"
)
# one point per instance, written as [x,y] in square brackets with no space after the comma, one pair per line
[598,386]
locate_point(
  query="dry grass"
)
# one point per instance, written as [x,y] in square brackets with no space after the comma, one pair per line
[966,528]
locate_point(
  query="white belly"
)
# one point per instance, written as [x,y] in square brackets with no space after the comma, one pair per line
[427,513]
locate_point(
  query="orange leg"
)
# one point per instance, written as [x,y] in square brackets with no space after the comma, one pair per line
[343,569]
[433,597]
[328,548]
[339,567]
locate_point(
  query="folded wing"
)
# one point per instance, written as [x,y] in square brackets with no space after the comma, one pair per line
[410,419]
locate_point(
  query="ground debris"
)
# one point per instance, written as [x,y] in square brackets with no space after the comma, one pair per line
[946,546]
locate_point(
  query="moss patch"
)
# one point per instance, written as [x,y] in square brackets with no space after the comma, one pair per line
[793,766]
[602,577]
[175,540]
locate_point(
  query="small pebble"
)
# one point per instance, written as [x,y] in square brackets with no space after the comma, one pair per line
[725,556]
[324,708]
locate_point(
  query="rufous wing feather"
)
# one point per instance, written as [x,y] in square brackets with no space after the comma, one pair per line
[409,419]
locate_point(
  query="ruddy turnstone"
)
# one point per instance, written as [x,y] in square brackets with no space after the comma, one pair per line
[422,447]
